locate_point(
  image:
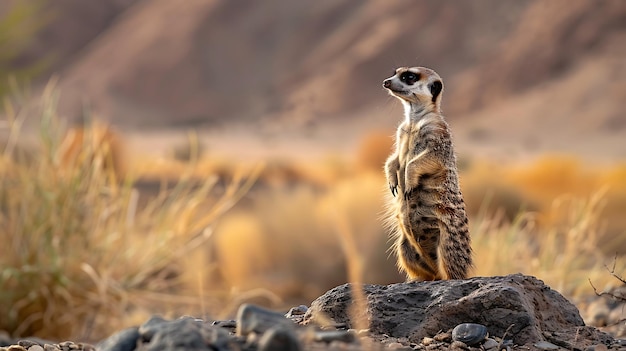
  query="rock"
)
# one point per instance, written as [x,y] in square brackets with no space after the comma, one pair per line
[490,344]
[458,345]
[421,309]
[185,333]
[427,341]
[27,343]
[5,338]
[125,340]
[37,344]
[297,311]
[332,335]
[599,347]
[279,338]
[445,337]
[544,345]
[230,323]
[469,333]
[251,318]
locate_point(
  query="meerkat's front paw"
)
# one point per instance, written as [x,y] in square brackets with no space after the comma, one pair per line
[394,189]
[407,193]
[408,189]
[391,171]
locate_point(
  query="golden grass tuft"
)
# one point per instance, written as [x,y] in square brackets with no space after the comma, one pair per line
[565,255]
[92,142]
[79,254]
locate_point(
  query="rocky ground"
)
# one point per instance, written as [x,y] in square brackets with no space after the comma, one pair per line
[513,312]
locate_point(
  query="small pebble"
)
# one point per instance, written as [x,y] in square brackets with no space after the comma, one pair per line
[35,348]
[469,333]
[297,311]
[544,345]
[16,348]
[458,345]
[230,323]
[490,344]
[427,341]
[26,343]
[50,347]
[445,337]
[599,347]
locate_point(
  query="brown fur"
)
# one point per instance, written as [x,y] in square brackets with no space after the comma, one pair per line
[427,214]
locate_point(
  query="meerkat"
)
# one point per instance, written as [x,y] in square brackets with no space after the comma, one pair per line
[426,213]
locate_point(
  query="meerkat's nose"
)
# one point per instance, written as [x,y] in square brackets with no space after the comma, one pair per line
[386,83]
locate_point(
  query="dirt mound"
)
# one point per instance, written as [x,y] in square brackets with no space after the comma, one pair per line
[517,307]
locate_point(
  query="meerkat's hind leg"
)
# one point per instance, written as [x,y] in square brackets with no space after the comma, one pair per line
[410,260]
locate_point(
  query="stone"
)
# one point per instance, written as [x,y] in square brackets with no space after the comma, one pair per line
[544,345]
[230,323]
[490,344]
[599,347]
[334,335]
[469,333]
[125,340]
[27,343]
[185,333]
[297,311]
[445,337]
[35,348]
[522,304]
[251,318]
[427,341]
[458,345]
[279,338]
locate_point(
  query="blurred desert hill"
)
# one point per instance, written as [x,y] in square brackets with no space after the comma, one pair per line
[522,77]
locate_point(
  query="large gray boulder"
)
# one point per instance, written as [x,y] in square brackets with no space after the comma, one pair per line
[523,307]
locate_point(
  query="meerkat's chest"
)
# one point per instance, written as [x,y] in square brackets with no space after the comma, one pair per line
[408,141]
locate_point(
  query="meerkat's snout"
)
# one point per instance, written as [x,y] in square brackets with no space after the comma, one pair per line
[387,83]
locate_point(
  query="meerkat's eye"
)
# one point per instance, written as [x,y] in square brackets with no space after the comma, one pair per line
[409,77]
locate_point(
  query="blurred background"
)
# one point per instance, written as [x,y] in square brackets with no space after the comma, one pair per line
[185,157]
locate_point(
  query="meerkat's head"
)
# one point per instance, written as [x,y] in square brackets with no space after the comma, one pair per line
[416,86]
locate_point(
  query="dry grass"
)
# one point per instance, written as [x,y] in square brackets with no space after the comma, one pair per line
[84,255]
[78,253]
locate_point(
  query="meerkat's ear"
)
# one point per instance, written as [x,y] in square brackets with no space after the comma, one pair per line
[435,89]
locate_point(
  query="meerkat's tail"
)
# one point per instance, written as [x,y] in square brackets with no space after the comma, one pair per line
[454,252]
